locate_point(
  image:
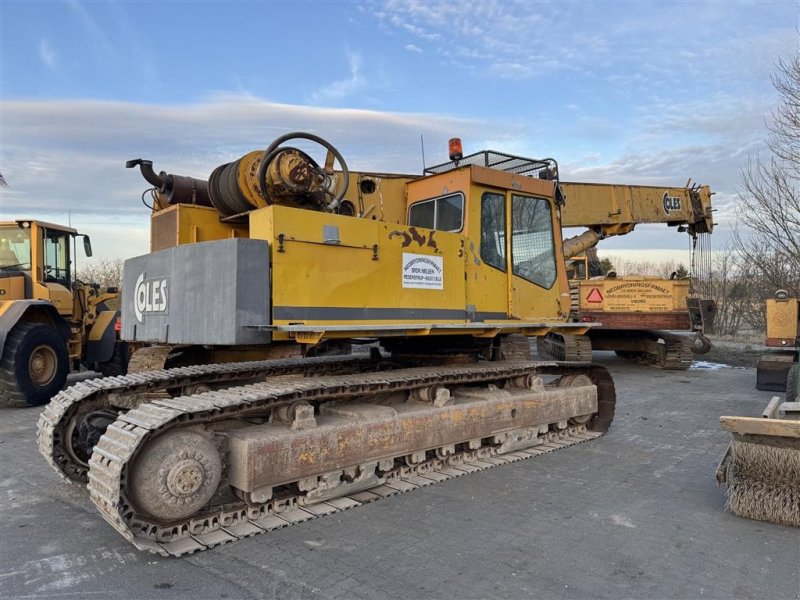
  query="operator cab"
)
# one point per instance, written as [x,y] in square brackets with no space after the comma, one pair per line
[40,253]
[509,206]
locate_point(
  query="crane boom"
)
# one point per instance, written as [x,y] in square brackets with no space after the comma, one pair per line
[612,209]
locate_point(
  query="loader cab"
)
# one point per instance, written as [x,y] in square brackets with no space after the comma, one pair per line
[15,262]
[37,262]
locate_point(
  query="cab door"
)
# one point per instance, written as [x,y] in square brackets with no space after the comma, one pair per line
[532,262]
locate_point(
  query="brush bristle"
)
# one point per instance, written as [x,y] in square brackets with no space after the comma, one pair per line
[764,482]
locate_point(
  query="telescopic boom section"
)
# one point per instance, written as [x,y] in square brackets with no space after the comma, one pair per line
[610,209]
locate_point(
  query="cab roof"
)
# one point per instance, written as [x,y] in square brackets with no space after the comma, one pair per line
[35,223]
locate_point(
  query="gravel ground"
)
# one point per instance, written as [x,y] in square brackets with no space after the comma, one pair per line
[734,353]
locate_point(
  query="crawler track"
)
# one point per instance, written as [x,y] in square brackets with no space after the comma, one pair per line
[678,354]
[675,353]
[226,517]
[57,423]
[565,347]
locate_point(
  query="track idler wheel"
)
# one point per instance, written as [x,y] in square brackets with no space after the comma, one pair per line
[577,379]
[175,476]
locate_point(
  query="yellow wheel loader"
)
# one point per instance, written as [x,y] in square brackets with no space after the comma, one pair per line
[50,322]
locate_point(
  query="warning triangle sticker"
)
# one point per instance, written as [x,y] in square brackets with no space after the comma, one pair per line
[594,296]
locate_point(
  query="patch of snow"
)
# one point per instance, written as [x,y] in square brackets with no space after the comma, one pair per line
[707,366]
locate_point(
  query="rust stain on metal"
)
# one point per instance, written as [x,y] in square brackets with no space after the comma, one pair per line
[475,258]
[299,174]
[432,243]
[417,236]
[401,234]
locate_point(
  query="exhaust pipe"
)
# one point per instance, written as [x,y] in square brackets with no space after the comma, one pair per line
[173,189]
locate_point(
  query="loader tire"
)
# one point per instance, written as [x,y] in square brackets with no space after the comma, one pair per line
[118,363]
[34,366]
[791,384]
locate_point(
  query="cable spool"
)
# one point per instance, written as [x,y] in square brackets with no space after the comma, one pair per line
[279,175]
[233,187]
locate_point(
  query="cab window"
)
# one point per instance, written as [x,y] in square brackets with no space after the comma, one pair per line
[56,257]
[15,248]
[493,230]
[445,213]
[532,252]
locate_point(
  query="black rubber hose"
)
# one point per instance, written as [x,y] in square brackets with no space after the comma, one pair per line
[273,149]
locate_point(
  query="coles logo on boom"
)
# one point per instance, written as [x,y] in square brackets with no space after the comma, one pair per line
[150,297]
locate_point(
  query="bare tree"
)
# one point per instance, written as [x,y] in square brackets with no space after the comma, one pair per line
[731,294]
[766,239]
[105,273]
[663,268]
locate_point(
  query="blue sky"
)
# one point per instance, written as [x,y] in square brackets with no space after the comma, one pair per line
[628,92]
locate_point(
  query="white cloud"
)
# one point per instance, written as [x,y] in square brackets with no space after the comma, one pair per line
[413,48]
[69,155]
[633,43]
[343,88]
[66,159]
[47,54]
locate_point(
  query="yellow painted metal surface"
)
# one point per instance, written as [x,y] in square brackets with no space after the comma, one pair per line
[100,325]
[12,288]
[782,321]
[247,177]
[491,293]
[633,294]
[619,207]
[379,196]
[329,268]
[189,224]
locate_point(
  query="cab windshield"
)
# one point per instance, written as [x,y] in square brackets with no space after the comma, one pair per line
[15,247]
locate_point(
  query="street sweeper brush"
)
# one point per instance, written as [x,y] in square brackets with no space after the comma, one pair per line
[761,466]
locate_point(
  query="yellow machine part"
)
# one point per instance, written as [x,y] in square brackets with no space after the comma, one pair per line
[12,288]
[189,224]
[375,195]
[634,294]
[782,322]
[329,269]
[619,207]
[349,270]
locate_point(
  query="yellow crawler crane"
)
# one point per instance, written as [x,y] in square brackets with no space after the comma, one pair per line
[639,317]
[49,321]
[446,275]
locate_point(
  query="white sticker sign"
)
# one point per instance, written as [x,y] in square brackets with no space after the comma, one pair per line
[423,272]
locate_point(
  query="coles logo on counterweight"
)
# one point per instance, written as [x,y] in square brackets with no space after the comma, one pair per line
[151,297]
